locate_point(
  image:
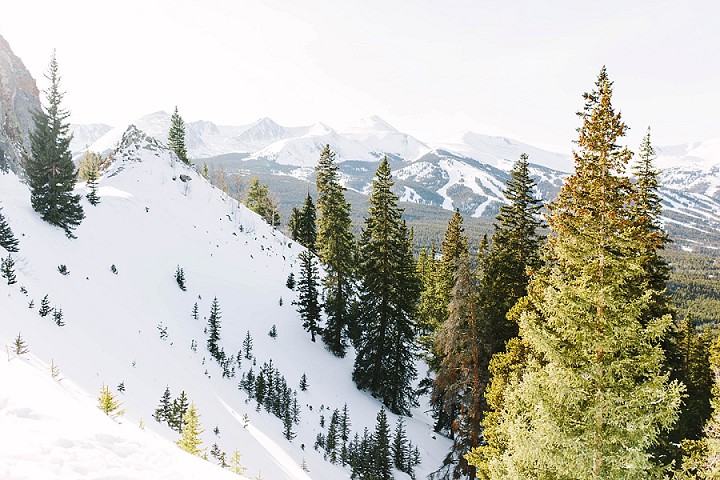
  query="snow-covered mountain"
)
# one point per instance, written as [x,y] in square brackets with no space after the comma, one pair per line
[157,215]
[86,134]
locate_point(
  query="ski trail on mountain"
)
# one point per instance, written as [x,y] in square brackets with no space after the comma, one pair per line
[275,451]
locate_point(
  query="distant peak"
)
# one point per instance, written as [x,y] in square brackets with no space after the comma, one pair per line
[372,123]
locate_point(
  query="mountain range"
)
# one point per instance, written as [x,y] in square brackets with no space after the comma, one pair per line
[467,173]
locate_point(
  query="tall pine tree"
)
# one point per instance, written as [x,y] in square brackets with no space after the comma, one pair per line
[50,168]
[385,362]
[213,329]
[580,409]
[176,137]
[336,248]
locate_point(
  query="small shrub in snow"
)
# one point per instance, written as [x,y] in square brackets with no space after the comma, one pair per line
[62,268]
[44,306]
[7,270]
[58,317]
[273,332]
[113,269]
[109,404]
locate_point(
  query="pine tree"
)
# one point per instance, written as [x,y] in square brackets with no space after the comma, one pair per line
[385,362]
[235,466]
[7,237]
[259,201]
[7,270]
[287,425]
[335,246]
[177,412]
[303,383]
[190,440]
[400,446]
[50,168]
[19,346]
[176,137]
[381,455]
[89,161]
[707,461]
[163,412]
[331,440]
[213,329]
[307,229]
[581,409]
[92,185]
[58,317]
[44,309]
[180,278]
[344,434]
[247,345]
[109,404]
[195,311]
[465,346]
[308,305]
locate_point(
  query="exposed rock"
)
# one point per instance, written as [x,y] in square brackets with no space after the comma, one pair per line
[185,178]
[19,96]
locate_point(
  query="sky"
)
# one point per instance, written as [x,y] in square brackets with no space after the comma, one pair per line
[430,68]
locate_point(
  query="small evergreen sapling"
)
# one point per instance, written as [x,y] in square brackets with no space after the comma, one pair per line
[7,270]
[92,184]
[113,269]
[247,345]
[195,312]
[109,404]
[19,346]
[235,466]
[44,306]
[303,383]
[164,410]
[121,387]
[290,282]
[58,317]
[180,278]
[62,268]
[190,440]
[7,238]
[273,332]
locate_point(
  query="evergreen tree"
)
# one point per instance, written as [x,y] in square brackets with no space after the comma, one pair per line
[335,246]
[177,412]
[259,201]
[400,446]
[581,409]
[213,329]
[92,185]
[235,466]
[7,238]
[307,229]
[50,168]
[180,278]
[109,404]
[294,224]
[344,434]
[464,344]
[190,440]
[176,137]
[195,311]
[308,305]
[381,455]
[708,463]
[303,383]
[331,440]
[44,306]
[19,346]
[89,161]
[385,362]
[163,412]
[247,345]
[58,317]
[7,269]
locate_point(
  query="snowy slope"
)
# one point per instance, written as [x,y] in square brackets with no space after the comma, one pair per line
[148,223]
[51,429]
[85,135]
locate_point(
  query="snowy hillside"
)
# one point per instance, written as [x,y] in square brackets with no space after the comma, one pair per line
[157,215]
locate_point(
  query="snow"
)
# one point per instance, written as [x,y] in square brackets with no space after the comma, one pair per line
[148,223]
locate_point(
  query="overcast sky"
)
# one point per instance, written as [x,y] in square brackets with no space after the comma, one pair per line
[431,68]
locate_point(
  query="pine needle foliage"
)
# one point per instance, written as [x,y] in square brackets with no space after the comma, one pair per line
[176,137]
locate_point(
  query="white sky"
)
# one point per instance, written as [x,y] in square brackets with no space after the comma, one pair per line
[431,68]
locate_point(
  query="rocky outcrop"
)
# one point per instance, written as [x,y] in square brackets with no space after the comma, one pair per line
[19,97]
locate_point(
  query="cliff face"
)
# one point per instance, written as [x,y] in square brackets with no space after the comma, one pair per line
[19,96]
